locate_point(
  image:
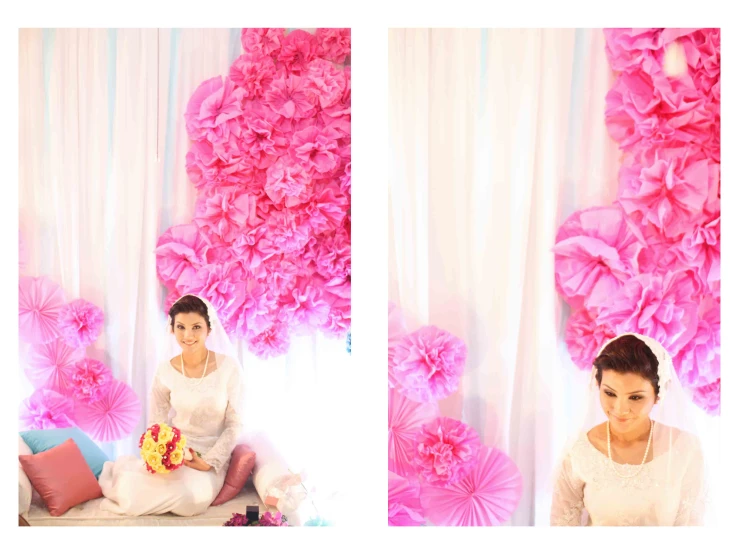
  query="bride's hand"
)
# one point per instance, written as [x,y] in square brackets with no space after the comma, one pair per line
[197,462]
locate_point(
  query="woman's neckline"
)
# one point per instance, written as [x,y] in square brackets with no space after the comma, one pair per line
[218,359]
[605,456]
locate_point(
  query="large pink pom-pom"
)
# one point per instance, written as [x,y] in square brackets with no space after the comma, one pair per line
[316,150]
[298,50]
[113,416]
[334,44]
[709,397]
[39,301]
[224,214]
[404,420]
[428,364]
[446,451]
[262,41]
[403,501]
[253,73]
[326,82]
[180,253]
[80,323]
[584,338]
[699,361]
[50,365]
[657,306]
[90,380]
[273,341]
[213,110]
[289,98]
[46,409]
[595,253]
[701,250]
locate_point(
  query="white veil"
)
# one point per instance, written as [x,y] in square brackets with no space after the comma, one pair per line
[675,435]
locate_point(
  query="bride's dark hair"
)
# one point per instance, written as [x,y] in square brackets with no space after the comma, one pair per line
[188,305]
[628,354]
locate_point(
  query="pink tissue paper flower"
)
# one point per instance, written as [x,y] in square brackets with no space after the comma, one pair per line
[701,250]
[326,210]
[298,50]
[307,306]
[669,190]
[629,49]
[339,320]
[403,502]
[254,311]
[446,451]
[334,44]
[346,179]
[113,416]
[261,140]
[180,253]
[290,98]
[596,251]
[213,110]
[253,73]
[662,307]
[90,380]
[218,283]
[287,181]
[288,231]
[584,338]
[50,365]
[47,409]
[428,364]
[699,362]
[404,420]
[274,341]
[325,82]
[316,150]
[80,323]
[709,397]
[39,301]
[226,213]
[264,41]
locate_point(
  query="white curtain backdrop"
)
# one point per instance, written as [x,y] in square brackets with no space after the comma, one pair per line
[496,137]
[102,175]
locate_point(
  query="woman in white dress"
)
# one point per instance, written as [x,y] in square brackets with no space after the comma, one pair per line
[636,460]
[203,389]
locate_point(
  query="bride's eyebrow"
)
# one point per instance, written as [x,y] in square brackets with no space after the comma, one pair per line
[636,391]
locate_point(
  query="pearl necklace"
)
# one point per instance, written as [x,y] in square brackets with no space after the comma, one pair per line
[205,367]
[641,466]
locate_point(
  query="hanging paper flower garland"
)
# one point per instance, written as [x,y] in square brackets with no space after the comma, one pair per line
[650,263]
[270,241]
[438,470]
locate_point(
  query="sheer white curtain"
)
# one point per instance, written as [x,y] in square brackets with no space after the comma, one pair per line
[496,136]
[102,175]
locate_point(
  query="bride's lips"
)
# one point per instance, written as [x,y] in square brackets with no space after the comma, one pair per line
[621,420]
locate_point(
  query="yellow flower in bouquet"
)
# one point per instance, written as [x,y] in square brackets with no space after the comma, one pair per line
[162,448]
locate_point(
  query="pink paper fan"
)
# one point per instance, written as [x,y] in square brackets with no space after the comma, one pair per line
[51,365]
[46,409]
[39,301]
[405,419]
[113,417]
[403,503]
[487,496]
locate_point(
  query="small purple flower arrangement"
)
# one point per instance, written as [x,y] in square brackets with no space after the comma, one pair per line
[268,519]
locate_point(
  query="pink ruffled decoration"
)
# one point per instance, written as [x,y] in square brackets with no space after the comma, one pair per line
[487,496]
[90,380]
[338,322]
[213,111]
[46,409]
[112,417]
[660,307]
[584,338]
[219,284]
[403,502]
[263,42]
[290,98]
[288,182]
[253,73]
[298,50]
[80,323]
[50,365]
[308,307]
[225,214]
[669,191]
[273,341]
[39,302]
[701,250]
[428,364]
[262,142]
[709,398]
[316,150]
[596,251]
[446,451]
[630,49]
[181,252]
[699,361]
[325,82]
[405,419]
[334,44]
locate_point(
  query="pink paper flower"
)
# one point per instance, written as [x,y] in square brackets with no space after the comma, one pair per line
[631,49]
[326,210]
[290,98]
[701,250]
[254,311]
[405,419]
[334,257]
[334,44]
[596,251]
[428,364]
[584,338]
[289,232]
[46,409]
[225,214]
[50,365]
[298,50]
[669,190]
[346,179]
[307,307]
[287,181]
[39,302]
[253,73]
[339,320]
[662,307]
[181,252]
[403,502]
[80,323]
[262,141]
[446,451]
[325,82]
[90,380]
[252,248]
[213,110]
[709,397]
[316,150]
[113,417]
[218,284]
[699,362]
[274,341]
[264,42]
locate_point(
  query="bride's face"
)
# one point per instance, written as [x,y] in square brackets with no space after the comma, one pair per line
[191,331]
[626,398]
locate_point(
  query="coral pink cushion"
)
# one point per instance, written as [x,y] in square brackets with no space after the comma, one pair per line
[61,476]
[239,469]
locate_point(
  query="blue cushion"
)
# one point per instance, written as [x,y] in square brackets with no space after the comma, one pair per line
[41,440]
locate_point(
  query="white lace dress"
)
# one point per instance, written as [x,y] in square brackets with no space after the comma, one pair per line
[208,415]
[587,491]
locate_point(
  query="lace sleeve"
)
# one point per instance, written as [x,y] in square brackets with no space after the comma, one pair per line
[693,498]
[567,500]
[219,456]
[159,403]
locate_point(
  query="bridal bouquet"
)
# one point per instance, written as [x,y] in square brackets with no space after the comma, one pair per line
[162,448]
